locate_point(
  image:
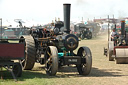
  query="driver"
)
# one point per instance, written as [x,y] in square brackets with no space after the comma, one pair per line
[114,35]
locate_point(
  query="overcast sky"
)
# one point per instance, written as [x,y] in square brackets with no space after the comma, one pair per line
[47,10]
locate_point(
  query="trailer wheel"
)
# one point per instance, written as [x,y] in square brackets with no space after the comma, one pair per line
[17,70]
[51,60]
[30,53]
[85,67]
[110,55]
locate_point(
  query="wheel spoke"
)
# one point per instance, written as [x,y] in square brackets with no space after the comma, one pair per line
[23,61]
[50,67]
[84,65]
[38,55]
[48,53]
[84,54]
[48,61]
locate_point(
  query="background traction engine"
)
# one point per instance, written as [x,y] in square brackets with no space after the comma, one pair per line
[119,50]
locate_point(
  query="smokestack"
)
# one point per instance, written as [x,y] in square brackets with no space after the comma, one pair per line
[67,17]
[122,27]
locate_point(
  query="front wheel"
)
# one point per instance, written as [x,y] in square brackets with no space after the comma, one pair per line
[85,67]
[51,60]
[110,55]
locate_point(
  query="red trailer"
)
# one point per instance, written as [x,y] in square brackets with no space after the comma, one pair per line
[12,51]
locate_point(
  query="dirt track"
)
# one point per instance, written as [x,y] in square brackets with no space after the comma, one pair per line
[103,72]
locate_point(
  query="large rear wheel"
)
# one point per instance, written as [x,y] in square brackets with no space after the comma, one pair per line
[30,53]
[85,67]
[51,60]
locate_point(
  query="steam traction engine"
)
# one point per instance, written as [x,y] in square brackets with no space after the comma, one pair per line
[58,49]
[118,48]
[82,31]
